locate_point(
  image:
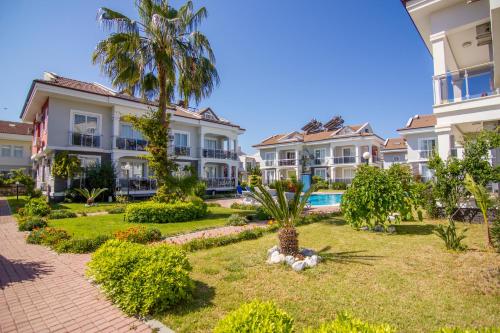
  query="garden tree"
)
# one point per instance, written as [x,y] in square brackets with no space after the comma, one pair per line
[65,166]
[448,185]
[180,185]
[373,195]
[401,177]
[153,57]
[476,160]
[19,175]
[254,176]
[285,212]
[483,201]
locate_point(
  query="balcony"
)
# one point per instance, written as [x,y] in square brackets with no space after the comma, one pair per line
[223,182]
[131,144]
[425,154]
[344,159]
[287,162]
[85,140]
[135,184]
[319,161]
[182,151]
[269,163]
[219,154]
[464,84]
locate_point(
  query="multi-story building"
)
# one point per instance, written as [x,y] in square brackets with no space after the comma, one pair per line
[463,37]
[394,151]
[89,120]
[332,153]
[15,146]
[247,163]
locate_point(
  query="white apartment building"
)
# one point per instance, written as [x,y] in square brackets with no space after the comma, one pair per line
[332,153]
[15,146]
[394,151]
[88,120]
[463,37]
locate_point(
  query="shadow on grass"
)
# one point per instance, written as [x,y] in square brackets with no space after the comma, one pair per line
[202,297]
[335,221]
[347,257]
[415,229]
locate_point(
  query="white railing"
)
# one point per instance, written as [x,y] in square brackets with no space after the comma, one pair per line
[425,154]
[344,159]
[269,163]
[221,182]
[464,84]
[287,162]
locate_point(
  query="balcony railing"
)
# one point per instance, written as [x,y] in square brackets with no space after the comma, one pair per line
[219,154]
[319,161]
[269,163]
[344,159]
[182,151]
[464,84]
[223,182]
[425,153]
[85,140]
[135,184]
[287,162]
[131,144]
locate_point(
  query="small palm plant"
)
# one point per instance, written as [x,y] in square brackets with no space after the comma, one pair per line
[90,196]
[452,240]
[285,212]
[483,201]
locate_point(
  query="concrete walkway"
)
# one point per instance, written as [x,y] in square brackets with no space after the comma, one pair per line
[41,291]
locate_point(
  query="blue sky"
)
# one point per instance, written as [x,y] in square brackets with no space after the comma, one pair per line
[281,62]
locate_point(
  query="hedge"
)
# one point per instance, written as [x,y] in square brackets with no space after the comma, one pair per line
[345,323]
[30,223]
[141,279]
[61,214]
[154,212]
[37,207]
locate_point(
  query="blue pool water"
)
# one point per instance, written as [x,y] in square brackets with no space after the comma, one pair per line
[325,199]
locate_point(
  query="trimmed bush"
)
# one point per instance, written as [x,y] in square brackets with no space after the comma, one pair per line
[31,222]
[213,204]
[142,279]
[345,323]
[61,214]
[207,243]
[338,186]
[116,210]
[47,236]
[256,317]
[154,212]
[85,245]
[139,235]
[242,206]
[37,207]
[236,220]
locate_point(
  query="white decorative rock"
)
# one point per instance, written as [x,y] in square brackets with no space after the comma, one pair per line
[289,260]
[271,250]
[310,262]
[391,229]
[364,228]
[299,265]
[276,258]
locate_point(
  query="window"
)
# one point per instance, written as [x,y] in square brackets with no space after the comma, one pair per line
[396,158]
[181,140]
[136,169]
[320,154]
[290,155]
[269,156]
[127,131]
[6,151]
[89,161]
[320,173]
[346,152]
[18,151]
[210,171]
[269,176]
[86,124]
[349,173]
[211,144]
[209,115]
[427,144]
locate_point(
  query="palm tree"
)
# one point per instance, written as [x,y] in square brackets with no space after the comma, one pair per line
[158,54]
[90,196]
[483,201]
[285,212]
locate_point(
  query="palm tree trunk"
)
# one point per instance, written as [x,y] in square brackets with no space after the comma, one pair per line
[162,100]
[289,241]
[487,225]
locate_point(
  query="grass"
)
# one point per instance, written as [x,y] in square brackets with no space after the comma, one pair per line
[407,280]
[75,207]
[91,226]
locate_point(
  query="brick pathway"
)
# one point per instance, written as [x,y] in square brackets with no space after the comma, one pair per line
[41,291]
[212,233]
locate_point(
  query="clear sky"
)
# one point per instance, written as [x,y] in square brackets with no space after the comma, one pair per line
[281,62]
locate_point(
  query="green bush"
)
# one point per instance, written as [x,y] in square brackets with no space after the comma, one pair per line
[47,236]
[85,245]
[213,204]
[207,243]
[236,220]
[495,233]
[242,206]
[142,279]
[37,207]
[448,234]
[116,210]
[345,323]
[338,186]
[139,235]
[256,317]
[61,214]
[261,214]
[31,222]
[155,212]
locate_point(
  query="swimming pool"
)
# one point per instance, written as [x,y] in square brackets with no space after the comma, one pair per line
[325,199]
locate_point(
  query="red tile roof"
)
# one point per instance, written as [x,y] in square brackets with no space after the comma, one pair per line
[11,127]
[395,143]
[420,121]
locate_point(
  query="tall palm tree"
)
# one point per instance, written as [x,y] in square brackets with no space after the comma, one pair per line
[158,54]
[483,201]
[285,212]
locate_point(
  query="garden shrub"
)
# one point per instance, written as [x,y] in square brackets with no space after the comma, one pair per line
[213,204]
[85,245]
[256,317]
[207,243]
[47,236]
[116,210]
[495,233]
[155,212]
[31,222]
[142,280]
[236,220]
[338,186]
[61,214]
[261,214]
[448,234]
[37,207]
[242,206]
[344,323]
[138,235]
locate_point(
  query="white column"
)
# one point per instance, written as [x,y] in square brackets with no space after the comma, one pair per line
[201,161]
[297,164]
[358,154]
[443,141]
[370,160]
[116,127]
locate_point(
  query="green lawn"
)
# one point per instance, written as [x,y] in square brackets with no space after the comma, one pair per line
[408,280]
[76,207]
[91,226]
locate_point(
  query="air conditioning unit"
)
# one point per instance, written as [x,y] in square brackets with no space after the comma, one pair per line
[483,34]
